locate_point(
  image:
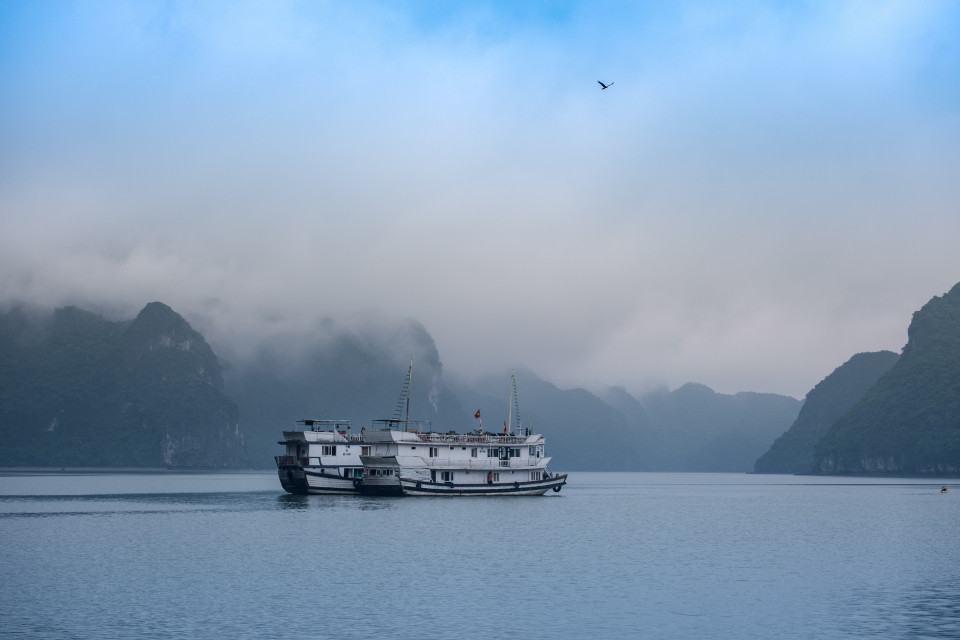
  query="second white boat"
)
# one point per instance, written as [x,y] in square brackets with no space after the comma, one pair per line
[406,460]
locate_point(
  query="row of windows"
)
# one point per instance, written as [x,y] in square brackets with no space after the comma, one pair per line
[510,452]
[492,452]
[445,476]
[331,450]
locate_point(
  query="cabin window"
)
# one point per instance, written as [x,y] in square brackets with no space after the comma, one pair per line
[535,475]
[364,451]
[446,476]
[473,452]
[329,450]
[413,447]
[493,452]
[515,453]
[434,452]
[496,476]
[533,451]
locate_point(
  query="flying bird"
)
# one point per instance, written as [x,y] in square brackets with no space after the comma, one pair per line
[605,86]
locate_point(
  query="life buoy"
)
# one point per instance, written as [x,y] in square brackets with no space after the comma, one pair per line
[557,488]
[356,483]
[516,485]
[418,485]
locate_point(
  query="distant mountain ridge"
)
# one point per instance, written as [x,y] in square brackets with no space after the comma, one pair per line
[79,390]
[151,392]
[341,374]
[693,428]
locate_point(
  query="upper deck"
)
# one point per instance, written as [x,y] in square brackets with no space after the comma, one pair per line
[382,436]
[323,431]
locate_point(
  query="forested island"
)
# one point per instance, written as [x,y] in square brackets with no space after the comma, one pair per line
[79,390]
[880,414]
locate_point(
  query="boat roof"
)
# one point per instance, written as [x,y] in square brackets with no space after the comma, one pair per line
[318,424]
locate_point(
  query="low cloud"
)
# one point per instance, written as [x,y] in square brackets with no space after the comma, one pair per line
[758,197]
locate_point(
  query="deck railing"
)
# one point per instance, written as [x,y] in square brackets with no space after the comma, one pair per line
[481,463]
[465,438]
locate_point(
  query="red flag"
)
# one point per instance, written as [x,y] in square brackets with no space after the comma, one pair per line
[504,426]
[477,414]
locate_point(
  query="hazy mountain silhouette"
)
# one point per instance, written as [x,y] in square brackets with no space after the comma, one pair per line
[693,428]
[824,404]
[79,390]
[343,374]
[909,421]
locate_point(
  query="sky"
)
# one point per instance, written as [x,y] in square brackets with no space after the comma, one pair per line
[766,189]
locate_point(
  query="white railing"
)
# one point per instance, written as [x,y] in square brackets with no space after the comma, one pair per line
[481,463]
[466,438]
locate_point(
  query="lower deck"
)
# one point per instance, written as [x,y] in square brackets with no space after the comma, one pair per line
[301,480]
[415,487]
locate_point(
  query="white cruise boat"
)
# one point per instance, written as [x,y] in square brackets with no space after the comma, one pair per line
[322,458]
[406,460]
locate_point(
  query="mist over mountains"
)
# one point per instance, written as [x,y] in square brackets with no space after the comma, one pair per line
[80,390]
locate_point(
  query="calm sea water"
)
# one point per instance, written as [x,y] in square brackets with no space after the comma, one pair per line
[645,554]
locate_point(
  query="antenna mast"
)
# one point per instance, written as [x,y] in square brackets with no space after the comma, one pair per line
[514,405]
[402,410]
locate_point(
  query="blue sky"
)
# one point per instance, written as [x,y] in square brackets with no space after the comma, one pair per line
[767,189]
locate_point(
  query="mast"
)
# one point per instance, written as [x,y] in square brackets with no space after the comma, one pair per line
[514,405]
[401,412]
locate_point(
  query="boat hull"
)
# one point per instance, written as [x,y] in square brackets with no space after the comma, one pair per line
[413,487]
[369,488]
[309,480]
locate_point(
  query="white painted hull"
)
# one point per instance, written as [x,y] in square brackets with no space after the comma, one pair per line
[310,480]
[414,487]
